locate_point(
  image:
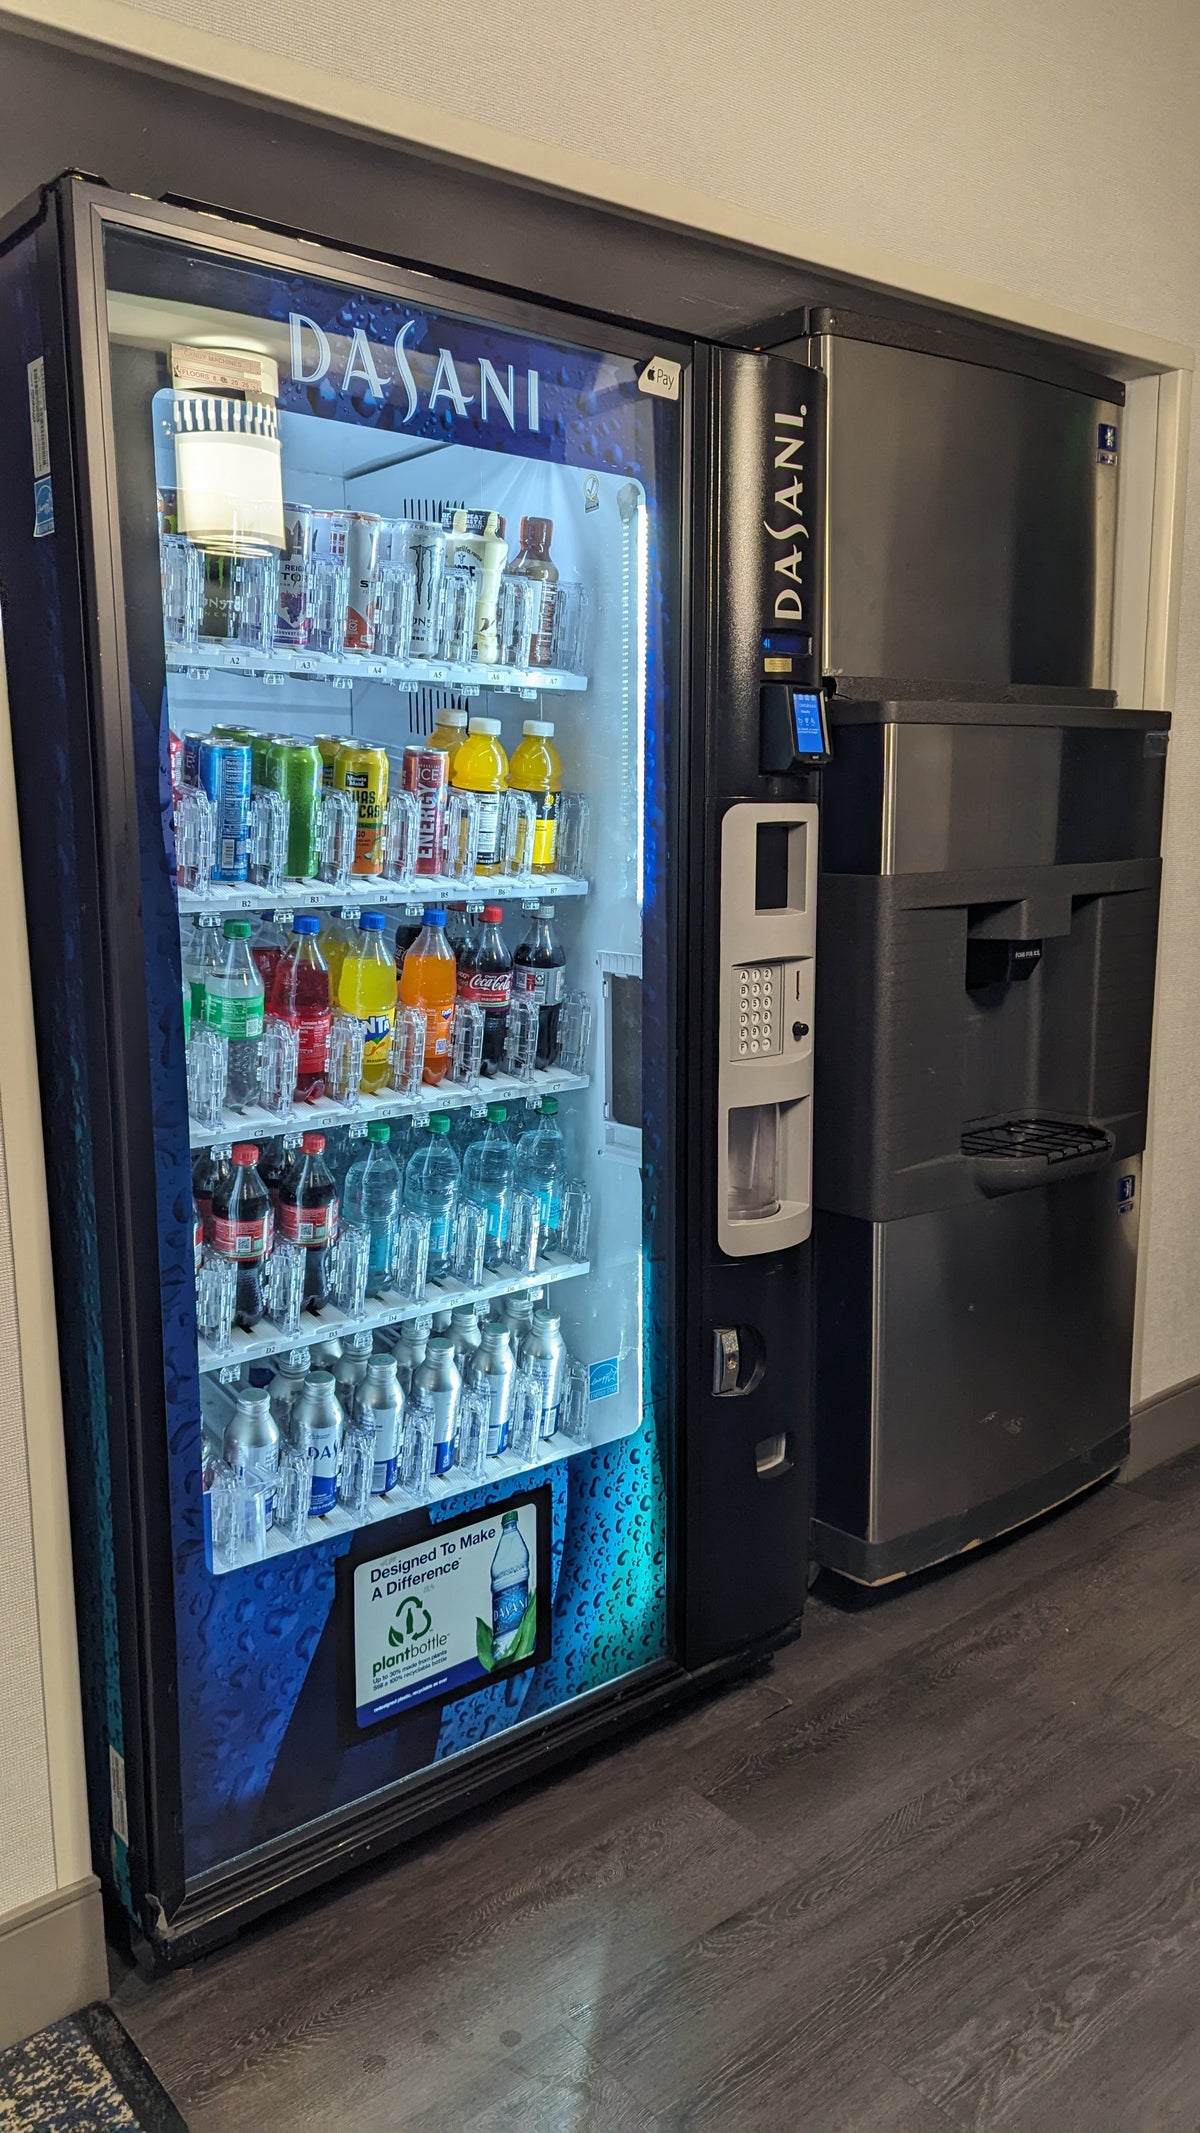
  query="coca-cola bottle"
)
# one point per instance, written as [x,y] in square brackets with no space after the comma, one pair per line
[485,979]
[241,1229]
[539,974]
[276,1160]
[307,1215]
[206,1169]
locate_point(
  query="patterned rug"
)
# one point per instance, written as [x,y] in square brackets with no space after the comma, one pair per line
[83,2075]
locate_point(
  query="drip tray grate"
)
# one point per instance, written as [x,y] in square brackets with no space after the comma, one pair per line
[1049,1140]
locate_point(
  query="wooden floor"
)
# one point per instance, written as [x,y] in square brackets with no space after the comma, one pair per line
[940,1867]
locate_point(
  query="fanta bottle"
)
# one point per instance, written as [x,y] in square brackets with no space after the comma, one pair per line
[338,934]
[366,989]
[481,766]
[537,770]
[428,980]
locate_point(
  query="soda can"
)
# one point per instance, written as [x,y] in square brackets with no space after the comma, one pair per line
[493,1371]
[191,757]
[362,545]
[327,745]
[260,753]
[168,510]
[175,762]
[223,772]
[544,1356]
[439,1376]
[329,536]
[316,1420]
[291,627]
[427,774]
[363,773]
[295,769]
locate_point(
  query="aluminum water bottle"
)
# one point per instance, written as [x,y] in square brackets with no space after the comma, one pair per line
[510,1587]
[380,1396]
[439,1376]
[409,1350]
[492,1371]
[252,1440]
[464,1332]
[288,1380]
[518,1317]
[351,1368]
[544,1356]
[318,1417]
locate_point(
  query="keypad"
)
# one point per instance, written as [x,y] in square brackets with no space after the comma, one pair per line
[757,1011]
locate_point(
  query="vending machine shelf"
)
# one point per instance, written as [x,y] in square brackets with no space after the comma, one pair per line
[393,1310]
[506,1467]
[198,661]
[225,899]
[320,1117]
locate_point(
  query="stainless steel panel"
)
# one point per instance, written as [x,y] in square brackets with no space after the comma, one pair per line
[971,526]
[1002,1339]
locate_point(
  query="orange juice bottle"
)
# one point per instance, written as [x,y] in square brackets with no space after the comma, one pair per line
[536,769]
[449,733]
[366,989]
[429,980]
[481,766]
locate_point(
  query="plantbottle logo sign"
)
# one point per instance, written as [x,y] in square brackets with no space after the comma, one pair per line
[412,1624]
[453,1612]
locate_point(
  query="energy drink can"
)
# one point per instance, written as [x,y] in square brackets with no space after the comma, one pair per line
[294,768]
[427,774]
[292,624]
[363,773]
[362,545]
[223,772]
[191,757]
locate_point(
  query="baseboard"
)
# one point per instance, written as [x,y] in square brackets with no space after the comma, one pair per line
[52,1959]
[1163,1428]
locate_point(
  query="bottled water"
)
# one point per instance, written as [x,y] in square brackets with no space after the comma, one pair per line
[371,1201]
[233,1006]
[487,1173]
[432,1182]
[510,1587]
[541,1169]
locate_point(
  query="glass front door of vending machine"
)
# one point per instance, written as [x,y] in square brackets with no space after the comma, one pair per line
[401,749]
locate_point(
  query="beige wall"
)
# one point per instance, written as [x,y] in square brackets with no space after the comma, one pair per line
[1046,147]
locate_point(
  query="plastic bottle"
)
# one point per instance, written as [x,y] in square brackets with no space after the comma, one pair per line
[449,733]
[366,988]
[533,561]
[459,930]
[485,979]
[428,980]
[481,767]
[202,952]
[541,1168]
[510,1587]
[269,944]
[241,1229]
[299,995]
[371,1201]
[536,769]
[206,1170]
[539,974]
[307,1215]
[488,1168]
[276,1160]
[233,1004]
[432,1183]
[338,936]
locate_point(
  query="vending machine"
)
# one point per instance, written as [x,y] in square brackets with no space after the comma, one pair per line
[415,700]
